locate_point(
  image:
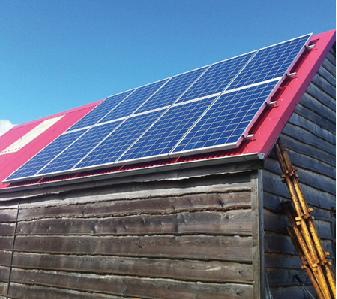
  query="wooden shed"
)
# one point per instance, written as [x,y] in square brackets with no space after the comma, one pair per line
[209,225]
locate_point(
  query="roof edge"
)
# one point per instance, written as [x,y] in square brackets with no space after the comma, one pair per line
[291,93]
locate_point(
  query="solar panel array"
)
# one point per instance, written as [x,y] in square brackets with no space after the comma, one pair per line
[202,110]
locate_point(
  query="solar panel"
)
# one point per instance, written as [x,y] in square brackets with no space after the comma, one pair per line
[82,146]
[173,90]
[165,133]
[112,147]
[217,77]
[270,62]
[134,101]
[202,110]
[227,119]
[43,157]
[101,110]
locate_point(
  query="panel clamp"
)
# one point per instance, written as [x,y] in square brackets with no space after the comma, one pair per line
[291,75]
[309,47]
[249,137]
[272,104]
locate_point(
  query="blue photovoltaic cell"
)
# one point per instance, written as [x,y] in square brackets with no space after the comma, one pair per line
[172,90]
[227,119]
[114,146]
[101,110]
[43,157]
[74,153]
[216,78]
[134,101]
[271,62]
[171,127]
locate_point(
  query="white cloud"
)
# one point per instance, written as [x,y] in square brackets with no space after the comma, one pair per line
[5,125]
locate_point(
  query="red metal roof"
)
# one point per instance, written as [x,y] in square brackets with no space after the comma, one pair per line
[265,131]
[10,161]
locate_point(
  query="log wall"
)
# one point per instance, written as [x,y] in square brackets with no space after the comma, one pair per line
[310,138]
[193,237]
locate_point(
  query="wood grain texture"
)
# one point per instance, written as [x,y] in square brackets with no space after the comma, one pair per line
[23,291]
[189,238]
[149,206]
[230,248]
[192,270]
[236,222]
[132,286]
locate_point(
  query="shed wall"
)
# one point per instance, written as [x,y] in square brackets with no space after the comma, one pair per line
[310,138]
[194,237]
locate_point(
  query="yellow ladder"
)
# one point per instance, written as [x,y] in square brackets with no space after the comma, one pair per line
[304,234]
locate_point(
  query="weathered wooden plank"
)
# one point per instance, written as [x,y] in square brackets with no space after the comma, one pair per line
[321,96]
[306,177]
[211,271]
[293,292]
[5,257]
[275,260]
[273,203]
[323,84]
[324,229]
[236,222]
[133,286]
[319,182]
[307,137]
[6,243]
[273,184]
[313,196]
[327,75]
[305,149]
[315,129]
[279,222]
[275,222]
[157,205]
[3,289]
[322,214]
[277,243]
[315,118]
[331,57]
[329,66]
[92,192]
[308,163]
[318,198]
[230,248]
[8,215]
[285,277]
[7,229]
[313,104]
[23,291]
[4,274]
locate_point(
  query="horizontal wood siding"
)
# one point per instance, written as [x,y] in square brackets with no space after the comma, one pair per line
[310,139]
[190,238]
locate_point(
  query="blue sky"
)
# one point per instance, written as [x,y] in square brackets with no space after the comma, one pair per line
[59,54]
